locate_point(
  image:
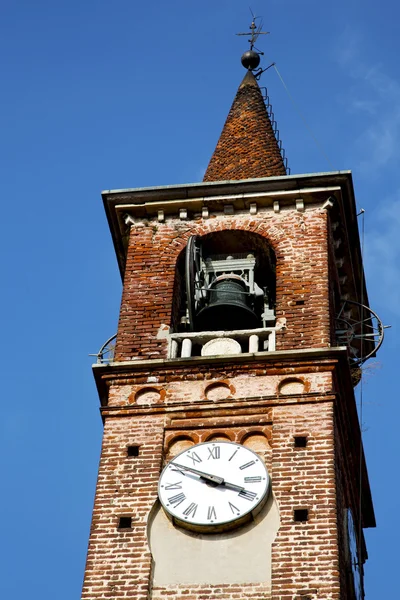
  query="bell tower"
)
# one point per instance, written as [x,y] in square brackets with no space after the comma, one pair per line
[232,464]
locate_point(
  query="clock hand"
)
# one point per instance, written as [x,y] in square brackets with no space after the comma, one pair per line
[233,486]
[202,474]
[213,478]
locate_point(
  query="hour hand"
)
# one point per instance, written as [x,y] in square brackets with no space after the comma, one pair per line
[201,474]
[233,486]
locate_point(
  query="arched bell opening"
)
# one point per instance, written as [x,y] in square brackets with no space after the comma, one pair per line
[225,281]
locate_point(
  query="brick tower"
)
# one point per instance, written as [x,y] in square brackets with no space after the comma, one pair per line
[228,347]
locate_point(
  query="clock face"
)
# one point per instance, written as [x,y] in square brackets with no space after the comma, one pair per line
[214,486]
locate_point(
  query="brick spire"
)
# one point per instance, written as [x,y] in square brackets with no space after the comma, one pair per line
[247,147]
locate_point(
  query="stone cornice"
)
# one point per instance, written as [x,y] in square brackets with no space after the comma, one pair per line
[129,207]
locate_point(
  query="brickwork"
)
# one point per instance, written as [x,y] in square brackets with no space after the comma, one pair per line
[334,285]
[294,407]
[247,146]
[221,592]
[300,244]
[179,388]
[119,561]
[305,554]
[347,466]
[342,495]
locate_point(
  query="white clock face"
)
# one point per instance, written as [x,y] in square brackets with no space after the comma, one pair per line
[214,484]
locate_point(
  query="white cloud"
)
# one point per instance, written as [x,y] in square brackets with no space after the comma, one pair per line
[367,106]
[382,254]
[375,94]
[348,47]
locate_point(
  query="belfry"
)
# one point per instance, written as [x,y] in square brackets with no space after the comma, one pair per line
[232,463]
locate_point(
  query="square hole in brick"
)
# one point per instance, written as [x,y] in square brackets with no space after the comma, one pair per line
[125,523]
[133,450]
[300,441]
[300,515]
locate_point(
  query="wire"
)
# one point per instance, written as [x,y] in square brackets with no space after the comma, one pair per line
[303,119]
[362,214]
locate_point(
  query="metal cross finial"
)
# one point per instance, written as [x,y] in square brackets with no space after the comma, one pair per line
[254,32]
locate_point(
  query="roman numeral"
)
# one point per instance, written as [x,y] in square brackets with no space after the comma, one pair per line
[252,479]
[234,508]
[195,457]
[178,471]
[251,462]
[190,510]
[247,495]
[177,500]
[211,514]
[175,486]
[237,450]
[214,452]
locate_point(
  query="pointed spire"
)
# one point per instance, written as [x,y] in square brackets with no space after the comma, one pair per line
[247,147]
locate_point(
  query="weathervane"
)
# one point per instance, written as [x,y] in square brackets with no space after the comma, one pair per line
[254,32]
[251,58]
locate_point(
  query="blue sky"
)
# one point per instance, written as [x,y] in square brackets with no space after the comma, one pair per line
[99,95]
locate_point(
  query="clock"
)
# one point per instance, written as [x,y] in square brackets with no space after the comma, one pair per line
[214,486]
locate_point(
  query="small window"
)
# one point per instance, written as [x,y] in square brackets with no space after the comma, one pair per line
[300,441]
[133,450]
[300,515]
[125,523]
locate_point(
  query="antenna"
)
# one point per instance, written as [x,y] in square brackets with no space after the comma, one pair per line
[254,32]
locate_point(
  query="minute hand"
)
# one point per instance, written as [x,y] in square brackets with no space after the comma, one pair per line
[209,477]
[202,474]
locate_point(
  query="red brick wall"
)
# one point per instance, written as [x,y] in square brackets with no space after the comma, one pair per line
[342,495]
[300,244]
[119,561]
[305,557]
[347,463]
[247,147]
[305,554]
[255,591]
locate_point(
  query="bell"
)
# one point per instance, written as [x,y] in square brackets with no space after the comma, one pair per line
[227,308]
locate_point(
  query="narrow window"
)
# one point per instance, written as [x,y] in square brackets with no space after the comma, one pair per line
[133,450]
[300,515]
[125,523]
[300,441]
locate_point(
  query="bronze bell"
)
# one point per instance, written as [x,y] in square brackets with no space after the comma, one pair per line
[228,306]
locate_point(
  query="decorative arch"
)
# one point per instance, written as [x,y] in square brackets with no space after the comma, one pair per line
[149,395]
[218,437]
[178,444]
[218,390]
[291,386]
[256,441]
